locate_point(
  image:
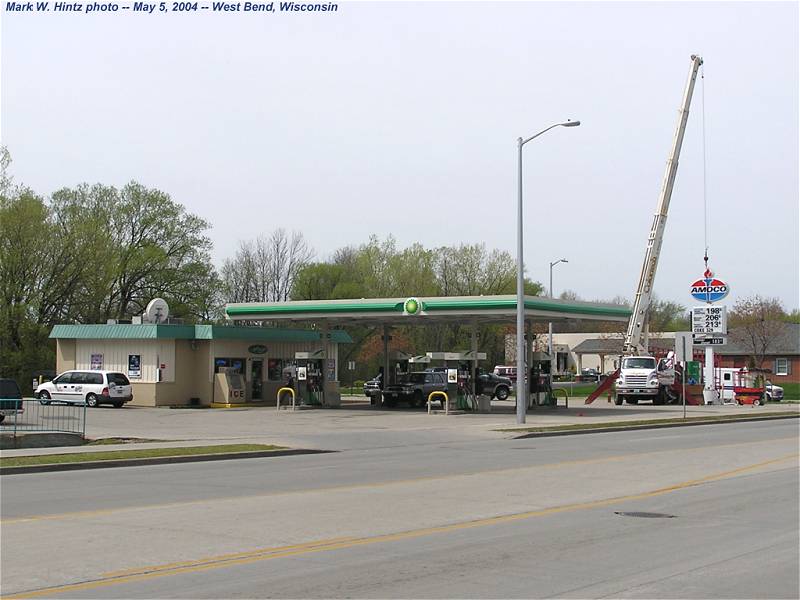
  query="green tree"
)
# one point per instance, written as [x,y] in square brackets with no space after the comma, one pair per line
[91,253]
[793,317]
[326,281]
[665,315]
[24,230]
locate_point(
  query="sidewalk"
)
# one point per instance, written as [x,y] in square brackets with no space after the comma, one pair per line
[356,425]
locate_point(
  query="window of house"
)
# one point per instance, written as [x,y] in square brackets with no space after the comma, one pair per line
[781,366]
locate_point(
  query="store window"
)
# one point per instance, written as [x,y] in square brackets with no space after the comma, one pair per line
[781,366]
[234,365]
[274,369]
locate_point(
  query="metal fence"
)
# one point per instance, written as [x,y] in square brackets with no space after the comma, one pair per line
[50,418]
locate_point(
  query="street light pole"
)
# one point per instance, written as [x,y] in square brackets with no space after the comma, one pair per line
[522,398]
[550,325]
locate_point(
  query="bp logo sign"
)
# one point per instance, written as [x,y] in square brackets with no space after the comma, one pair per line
[709,288]
[412,306]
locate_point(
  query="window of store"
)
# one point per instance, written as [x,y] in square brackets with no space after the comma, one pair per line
[234,365]
[274,369]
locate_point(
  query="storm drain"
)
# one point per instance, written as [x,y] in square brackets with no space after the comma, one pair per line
[644,515]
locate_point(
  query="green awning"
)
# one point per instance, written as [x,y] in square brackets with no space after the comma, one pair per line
[151,331]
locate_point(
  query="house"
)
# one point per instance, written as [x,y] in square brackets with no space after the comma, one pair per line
[782,356]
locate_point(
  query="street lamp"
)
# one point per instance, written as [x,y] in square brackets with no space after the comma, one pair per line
[550,325]
[522,399]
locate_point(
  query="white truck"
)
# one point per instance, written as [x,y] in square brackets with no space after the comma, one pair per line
[645,378]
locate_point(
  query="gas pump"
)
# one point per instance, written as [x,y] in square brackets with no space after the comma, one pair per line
[471,385]
[541,392]
[461,389]
[310,377]
[402,361]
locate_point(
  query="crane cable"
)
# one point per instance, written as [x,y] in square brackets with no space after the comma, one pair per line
[705,186]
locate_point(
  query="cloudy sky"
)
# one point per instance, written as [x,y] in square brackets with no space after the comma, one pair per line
[401,118]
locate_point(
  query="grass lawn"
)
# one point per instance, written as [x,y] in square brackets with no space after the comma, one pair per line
[624,424]
[580,390]
[52,459]
[791,391]
[122,440]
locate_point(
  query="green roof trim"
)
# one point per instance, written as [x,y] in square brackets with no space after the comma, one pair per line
[394,306]
[148,331]
[532,303]
[291,307]
[153,331]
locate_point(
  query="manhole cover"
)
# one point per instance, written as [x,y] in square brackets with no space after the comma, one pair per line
[644,515]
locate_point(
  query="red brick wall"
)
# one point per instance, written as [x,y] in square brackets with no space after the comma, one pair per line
[769,363]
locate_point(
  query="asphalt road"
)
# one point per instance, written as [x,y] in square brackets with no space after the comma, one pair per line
[473,518]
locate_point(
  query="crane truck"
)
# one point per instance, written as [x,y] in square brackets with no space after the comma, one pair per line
[640,376]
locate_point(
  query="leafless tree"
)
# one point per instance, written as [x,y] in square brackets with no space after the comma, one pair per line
[757,324]
[264,269]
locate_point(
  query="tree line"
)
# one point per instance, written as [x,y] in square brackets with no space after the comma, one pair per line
[97,252]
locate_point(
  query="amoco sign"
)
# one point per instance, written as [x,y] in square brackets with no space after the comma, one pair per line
[709,288]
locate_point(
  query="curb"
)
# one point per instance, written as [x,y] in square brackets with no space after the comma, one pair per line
[159,460]
[655,426]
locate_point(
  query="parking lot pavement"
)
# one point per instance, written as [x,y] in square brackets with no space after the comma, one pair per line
[356,425]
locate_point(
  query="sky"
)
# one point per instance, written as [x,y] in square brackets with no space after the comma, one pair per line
[402,119]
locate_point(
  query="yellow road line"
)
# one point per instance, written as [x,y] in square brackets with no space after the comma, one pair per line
[373,485]
[221,557]
[243,558]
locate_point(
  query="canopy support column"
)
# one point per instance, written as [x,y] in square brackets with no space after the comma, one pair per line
[385,378]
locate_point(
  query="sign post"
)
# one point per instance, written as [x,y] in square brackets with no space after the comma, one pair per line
[683,349]
[683,386]
[709,324]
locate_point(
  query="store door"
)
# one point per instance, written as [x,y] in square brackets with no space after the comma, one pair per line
[257,377]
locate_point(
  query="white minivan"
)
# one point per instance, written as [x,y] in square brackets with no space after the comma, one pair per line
[90,387]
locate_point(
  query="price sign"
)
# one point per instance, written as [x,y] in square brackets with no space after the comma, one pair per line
[709,341]
[709,320]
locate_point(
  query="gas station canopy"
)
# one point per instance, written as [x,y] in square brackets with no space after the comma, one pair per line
[425,310]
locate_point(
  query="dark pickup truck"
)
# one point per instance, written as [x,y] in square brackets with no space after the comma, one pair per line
[494,386]
[10,398]
[416,388]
